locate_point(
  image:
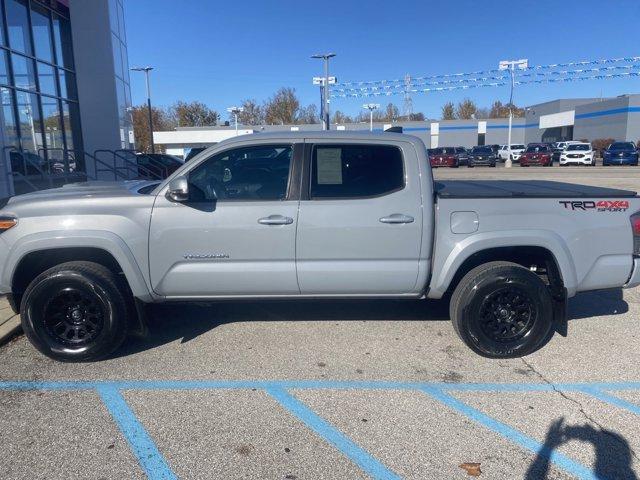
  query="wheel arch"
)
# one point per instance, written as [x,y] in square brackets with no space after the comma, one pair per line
[527,250]
[38,252]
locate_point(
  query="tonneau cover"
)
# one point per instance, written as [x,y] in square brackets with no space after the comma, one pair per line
[523,189]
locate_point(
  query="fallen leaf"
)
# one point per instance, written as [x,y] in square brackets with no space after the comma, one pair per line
[472,469]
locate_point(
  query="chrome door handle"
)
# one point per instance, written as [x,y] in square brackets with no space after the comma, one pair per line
[397,218]
[275,220]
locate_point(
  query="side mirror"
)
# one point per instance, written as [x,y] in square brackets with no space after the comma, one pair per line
[178,189]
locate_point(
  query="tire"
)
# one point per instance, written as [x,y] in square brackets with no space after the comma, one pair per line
[76,312]
[485,293]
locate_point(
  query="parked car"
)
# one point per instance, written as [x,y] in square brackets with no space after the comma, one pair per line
[537,154]
[620,153]
[463,156]
[157,165]
[482,155]
[578,154]
[516,151]
[368,222]
[559,147]
[443,157]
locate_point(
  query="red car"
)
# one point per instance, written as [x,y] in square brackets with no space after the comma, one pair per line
[537,154]
[443,157]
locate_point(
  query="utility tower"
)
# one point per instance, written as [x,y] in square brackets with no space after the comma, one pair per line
[407,108]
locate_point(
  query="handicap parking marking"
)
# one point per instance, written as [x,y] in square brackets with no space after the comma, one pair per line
[330,434]
[141,444]
[156,467]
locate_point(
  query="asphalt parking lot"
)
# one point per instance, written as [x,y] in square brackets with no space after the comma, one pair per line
[335,390]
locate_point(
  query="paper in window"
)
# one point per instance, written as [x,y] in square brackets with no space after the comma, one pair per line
[329,166]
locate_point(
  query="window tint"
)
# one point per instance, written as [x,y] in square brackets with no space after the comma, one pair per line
[537,148]
[482,150]
[250,173]
[578,146]
[622,146]
[352,171]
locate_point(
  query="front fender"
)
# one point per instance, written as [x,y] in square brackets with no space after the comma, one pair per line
[104,240]
[473,244]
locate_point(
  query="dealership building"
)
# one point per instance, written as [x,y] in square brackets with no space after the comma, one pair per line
[564,119]
[64,81]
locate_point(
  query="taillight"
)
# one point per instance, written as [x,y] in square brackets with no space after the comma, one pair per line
[635,228]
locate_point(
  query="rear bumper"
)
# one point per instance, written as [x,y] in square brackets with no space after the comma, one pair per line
[634,279]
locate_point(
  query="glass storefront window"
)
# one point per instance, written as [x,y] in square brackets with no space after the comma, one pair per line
[18,23]
[4,74]
[29,120]
[62,41]
[9,119]
[117,55]
[42,33]
[69,119]
[52,121]
[23,72]
[67,84]
[47,79]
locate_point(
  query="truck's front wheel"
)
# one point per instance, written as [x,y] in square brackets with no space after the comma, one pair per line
[74,312]
[502,310]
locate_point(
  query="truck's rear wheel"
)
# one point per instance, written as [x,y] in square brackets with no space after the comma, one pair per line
[75,311]
[502,310]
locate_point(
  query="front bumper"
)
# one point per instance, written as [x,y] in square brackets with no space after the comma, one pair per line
[634,279]
[614,160]
[485,162]
[576,161]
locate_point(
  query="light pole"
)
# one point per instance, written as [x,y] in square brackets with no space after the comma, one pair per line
[235,111]
[371,107]
[511,65]
[146,71]
[325,87]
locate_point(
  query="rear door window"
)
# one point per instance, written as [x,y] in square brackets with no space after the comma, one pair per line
[356,171]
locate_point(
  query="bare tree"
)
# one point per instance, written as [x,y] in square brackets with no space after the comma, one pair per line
[500,110]
[308,114]
[252,113]
[282,108]
[466,109]
[193,114]
[448,111]
[340,117]
[391,113]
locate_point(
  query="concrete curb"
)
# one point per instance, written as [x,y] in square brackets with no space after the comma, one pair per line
[9,321]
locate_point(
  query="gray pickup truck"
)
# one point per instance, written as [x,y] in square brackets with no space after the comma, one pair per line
[313,215]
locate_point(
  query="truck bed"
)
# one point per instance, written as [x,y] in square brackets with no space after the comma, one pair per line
[523,189]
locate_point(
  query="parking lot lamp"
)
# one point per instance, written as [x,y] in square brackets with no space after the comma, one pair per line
[146,71]
[235,111]
[371,107]
[511,66]
[325,87]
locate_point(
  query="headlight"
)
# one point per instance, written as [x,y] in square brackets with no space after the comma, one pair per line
[7,222]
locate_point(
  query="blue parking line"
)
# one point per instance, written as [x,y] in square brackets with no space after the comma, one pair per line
[309,384]
[351,450]
[611,399]
[510,433]
[150,459]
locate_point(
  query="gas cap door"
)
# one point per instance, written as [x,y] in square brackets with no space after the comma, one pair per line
[464,222]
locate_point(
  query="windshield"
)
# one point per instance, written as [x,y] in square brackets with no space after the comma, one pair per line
[622,146]
[537,148]
[581,147]
[517,147]
[482,150]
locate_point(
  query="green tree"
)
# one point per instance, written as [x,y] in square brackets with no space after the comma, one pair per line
[448,111]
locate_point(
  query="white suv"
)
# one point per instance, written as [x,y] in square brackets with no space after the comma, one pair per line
[516,151]
[578,154]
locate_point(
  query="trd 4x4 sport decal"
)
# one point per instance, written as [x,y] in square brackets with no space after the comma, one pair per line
[599,206]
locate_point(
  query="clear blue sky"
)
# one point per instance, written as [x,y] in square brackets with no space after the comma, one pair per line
[221,52]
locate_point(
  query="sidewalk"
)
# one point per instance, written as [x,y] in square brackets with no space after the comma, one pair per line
[9,321]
